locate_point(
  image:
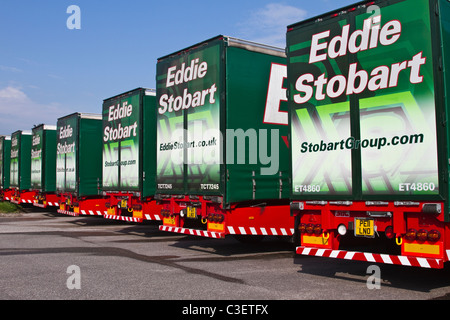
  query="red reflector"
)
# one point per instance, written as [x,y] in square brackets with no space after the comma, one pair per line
[389,232]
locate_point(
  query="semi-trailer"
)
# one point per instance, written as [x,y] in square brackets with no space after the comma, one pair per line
[129,156]
[79,164]
[20,168]
[5,162]
[368,117]
[222,153]
[43,166]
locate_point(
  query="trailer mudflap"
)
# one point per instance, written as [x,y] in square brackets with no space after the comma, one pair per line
[404,260]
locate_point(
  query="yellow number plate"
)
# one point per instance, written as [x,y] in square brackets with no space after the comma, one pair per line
[191,212]
[169,222]
[123,204]
[364,227]
[215,226]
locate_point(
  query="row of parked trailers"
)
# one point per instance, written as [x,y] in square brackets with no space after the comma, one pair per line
[342,134]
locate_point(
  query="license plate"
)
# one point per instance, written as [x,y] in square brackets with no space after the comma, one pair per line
[364,227]
[123,203]
[191,212]
[169,222]
[215,226]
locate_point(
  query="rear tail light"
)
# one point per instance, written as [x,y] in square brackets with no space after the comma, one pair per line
[389,232]
[165,213]
[216,217]
[317,229]
[411,234]
[434,235]
[302,228]
[310,228]
[422,235]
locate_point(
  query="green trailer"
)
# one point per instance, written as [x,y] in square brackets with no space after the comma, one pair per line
[5,162]
[129,156]
[79,164]
[368,109]
[222,157]
[43,166]
[20,167]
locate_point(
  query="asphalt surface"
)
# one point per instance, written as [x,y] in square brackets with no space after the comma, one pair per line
[48,256]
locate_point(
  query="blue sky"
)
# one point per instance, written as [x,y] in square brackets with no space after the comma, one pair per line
[48,71]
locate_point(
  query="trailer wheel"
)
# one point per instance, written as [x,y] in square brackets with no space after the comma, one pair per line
[248,239]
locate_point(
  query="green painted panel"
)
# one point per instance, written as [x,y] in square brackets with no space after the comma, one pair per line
[364,98]
[5,161]
[214,136]
[43,158]
[79,154]
[20,170]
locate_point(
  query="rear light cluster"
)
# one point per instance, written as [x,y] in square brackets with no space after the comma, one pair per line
[422,235]
[165,213]
[310,228]
[216,217]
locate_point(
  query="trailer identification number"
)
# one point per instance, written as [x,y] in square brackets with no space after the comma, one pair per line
[417,186]
[307,188]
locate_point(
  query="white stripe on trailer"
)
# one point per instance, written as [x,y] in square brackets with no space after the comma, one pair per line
[386,259]
[194,232]
[333,254]
[369,257]
[404,261]
[423,263]
[349,255]
[320,252]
